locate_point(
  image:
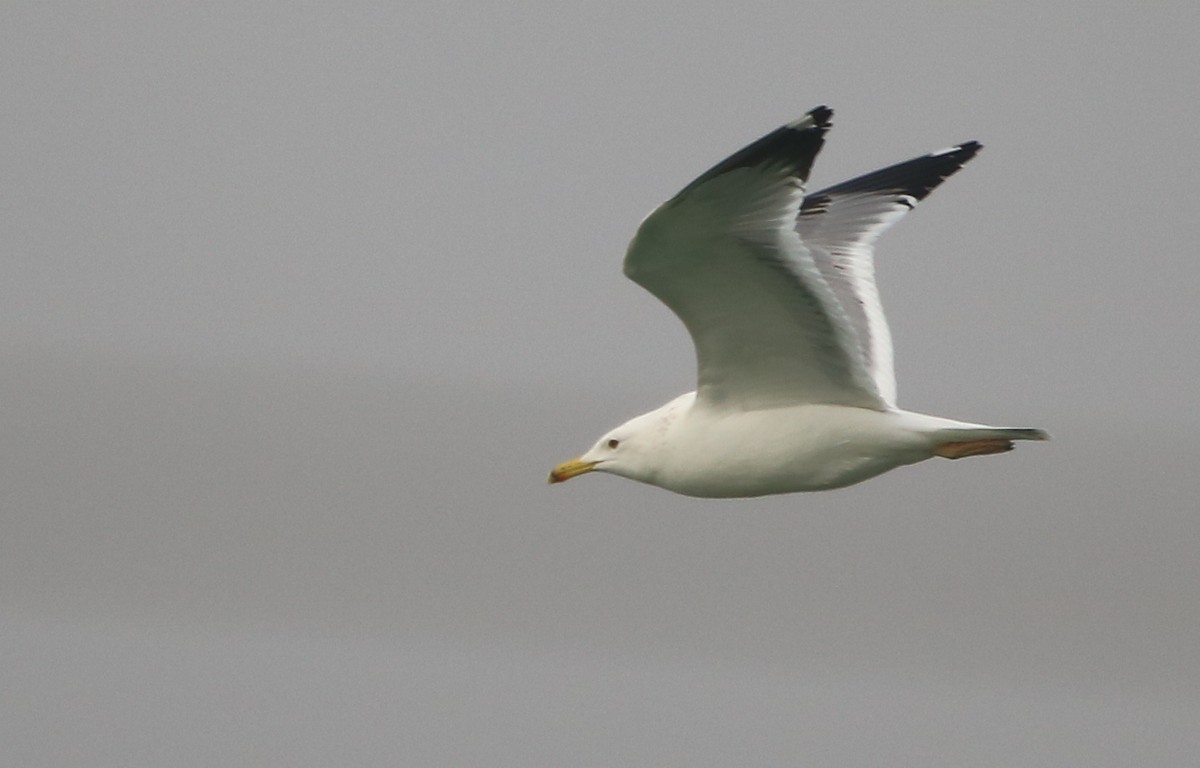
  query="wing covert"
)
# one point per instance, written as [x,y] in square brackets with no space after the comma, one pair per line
[725,256]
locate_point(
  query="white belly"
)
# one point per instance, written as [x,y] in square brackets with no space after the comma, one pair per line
[803,448]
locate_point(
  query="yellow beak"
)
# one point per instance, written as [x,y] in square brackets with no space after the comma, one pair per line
[569,469]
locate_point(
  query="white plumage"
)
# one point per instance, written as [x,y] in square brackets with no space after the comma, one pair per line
[796,389]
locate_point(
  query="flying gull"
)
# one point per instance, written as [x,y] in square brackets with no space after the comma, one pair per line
[796,390]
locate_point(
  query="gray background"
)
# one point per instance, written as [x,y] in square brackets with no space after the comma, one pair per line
[300,302]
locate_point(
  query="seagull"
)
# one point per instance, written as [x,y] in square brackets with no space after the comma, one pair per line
[796,388]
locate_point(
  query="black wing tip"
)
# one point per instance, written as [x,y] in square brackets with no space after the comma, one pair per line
[816,120]
[793,146]
[819,117]
[914,178]
[960,152]
[941,166]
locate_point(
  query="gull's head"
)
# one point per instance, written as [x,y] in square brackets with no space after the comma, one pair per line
[635,449]
[619,452]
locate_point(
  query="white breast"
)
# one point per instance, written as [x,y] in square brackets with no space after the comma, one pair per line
[715,453]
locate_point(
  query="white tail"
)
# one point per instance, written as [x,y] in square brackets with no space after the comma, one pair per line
[959,443]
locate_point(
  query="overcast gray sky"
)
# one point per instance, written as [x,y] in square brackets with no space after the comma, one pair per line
[300,302]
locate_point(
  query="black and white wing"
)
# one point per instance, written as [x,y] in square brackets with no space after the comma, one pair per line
[839,227]
[726,256]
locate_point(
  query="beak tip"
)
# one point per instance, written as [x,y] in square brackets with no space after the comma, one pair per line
[569,469]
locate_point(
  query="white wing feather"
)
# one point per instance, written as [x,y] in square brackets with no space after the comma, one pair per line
[778,290]
[724,255]
[840,226]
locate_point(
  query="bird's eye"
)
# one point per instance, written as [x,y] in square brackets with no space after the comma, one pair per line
[613,443]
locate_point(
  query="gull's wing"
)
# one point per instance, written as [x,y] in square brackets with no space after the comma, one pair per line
[840,225]
[725,256]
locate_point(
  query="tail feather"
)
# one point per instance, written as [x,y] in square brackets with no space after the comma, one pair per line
[956,439]
[959,443]
[999,433]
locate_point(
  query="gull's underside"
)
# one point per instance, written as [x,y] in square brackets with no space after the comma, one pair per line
[796,387]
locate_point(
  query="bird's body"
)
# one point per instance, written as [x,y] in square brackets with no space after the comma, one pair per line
[796,385]
[717,453]
[712,452]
